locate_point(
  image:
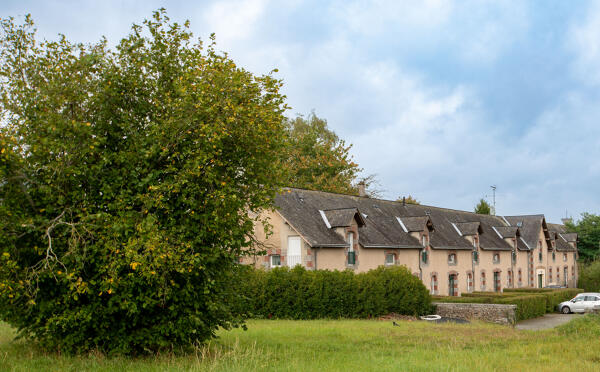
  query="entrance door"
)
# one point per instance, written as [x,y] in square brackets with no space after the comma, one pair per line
[294,253]
[496,281]
[565,276]
[540,280]
[451,281]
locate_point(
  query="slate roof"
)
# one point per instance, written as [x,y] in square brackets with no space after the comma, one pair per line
[381,229]
[468,228]
[529,227]
[413,224]
[508,231]
[562,237]
[343,217]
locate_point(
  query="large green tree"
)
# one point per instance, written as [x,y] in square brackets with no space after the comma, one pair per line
[483,207]
[317,158]
[126,178]
[588,235]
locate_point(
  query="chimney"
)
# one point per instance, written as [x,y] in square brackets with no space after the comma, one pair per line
[362,189]
[404,201]
[566,220]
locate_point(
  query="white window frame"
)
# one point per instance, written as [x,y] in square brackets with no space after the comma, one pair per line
[424,240]
[271,260]
[350,240]
[393,259]
[452,258]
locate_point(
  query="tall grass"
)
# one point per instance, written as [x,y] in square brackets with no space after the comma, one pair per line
[347,345]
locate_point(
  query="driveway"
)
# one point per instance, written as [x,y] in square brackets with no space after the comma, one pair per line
[545,322]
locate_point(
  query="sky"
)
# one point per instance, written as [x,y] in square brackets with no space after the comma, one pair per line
[440,99]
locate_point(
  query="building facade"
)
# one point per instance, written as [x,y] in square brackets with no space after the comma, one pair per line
[452,251]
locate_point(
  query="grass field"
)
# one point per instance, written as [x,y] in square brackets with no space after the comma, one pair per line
[348,345]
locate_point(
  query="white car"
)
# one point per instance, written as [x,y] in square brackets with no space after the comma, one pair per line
[581,303]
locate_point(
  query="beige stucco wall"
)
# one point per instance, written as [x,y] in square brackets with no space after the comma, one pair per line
[371,258]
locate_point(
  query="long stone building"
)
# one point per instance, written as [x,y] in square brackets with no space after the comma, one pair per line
[451,251]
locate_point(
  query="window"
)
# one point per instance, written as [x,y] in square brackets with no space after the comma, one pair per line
[275,260]
[540,255]
[496,281]
[520,277]
[351,253]
[565,257]
[483,280]
[390,259]
[509,278]
[550,274]
[452,259]
[573,271]
[424,255]
[575,256]
[496,258]
[553,256]
[434,284]
[566,276]
[475,256]
[452,285]
[469,282]
[514,256]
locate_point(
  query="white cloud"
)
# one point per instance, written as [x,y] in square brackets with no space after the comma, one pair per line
[234,20]
[584,40]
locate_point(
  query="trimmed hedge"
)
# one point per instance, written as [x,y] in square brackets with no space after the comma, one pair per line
[553,296]
[528,306]
[302,294]
[531,302]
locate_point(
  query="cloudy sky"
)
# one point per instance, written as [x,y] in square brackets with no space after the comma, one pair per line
[441,99]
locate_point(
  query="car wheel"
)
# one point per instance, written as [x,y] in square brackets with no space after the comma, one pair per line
[565,310]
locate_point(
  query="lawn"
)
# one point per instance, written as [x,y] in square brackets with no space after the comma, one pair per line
[347,345]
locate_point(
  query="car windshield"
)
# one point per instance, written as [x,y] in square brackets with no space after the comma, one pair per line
[577,299]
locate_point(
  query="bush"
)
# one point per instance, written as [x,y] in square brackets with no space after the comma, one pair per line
[302,294]
[589,276]
[126,178]
[553,296]
[528,307]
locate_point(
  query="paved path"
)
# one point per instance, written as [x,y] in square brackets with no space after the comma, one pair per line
[546,321]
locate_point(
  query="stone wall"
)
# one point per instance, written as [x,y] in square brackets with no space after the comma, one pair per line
[494,313]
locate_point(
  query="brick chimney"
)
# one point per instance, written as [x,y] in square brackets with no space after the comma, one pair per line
[362,189]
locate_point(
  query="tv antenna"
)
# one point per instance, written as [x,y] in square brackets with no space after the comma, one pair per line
[493,199]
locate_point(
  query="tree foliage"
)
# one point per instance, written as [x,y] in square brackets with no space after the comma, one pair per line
[125,181]
[408,200]
[317,158]
[483,207]
[588,235]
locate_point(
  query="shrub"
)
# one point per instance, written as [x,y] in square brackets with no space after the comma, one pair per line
[589,276]
[302,294]
[126,178]
[553,296]
[531,306]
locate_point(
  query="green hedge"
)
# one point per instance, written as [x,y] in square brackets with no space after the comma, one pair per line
[302,294]
[531,302]
[589,276]
[528,306]
[553,296]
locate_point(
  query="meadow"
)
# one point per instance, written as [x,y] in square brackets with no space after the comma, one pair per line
[346,345]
